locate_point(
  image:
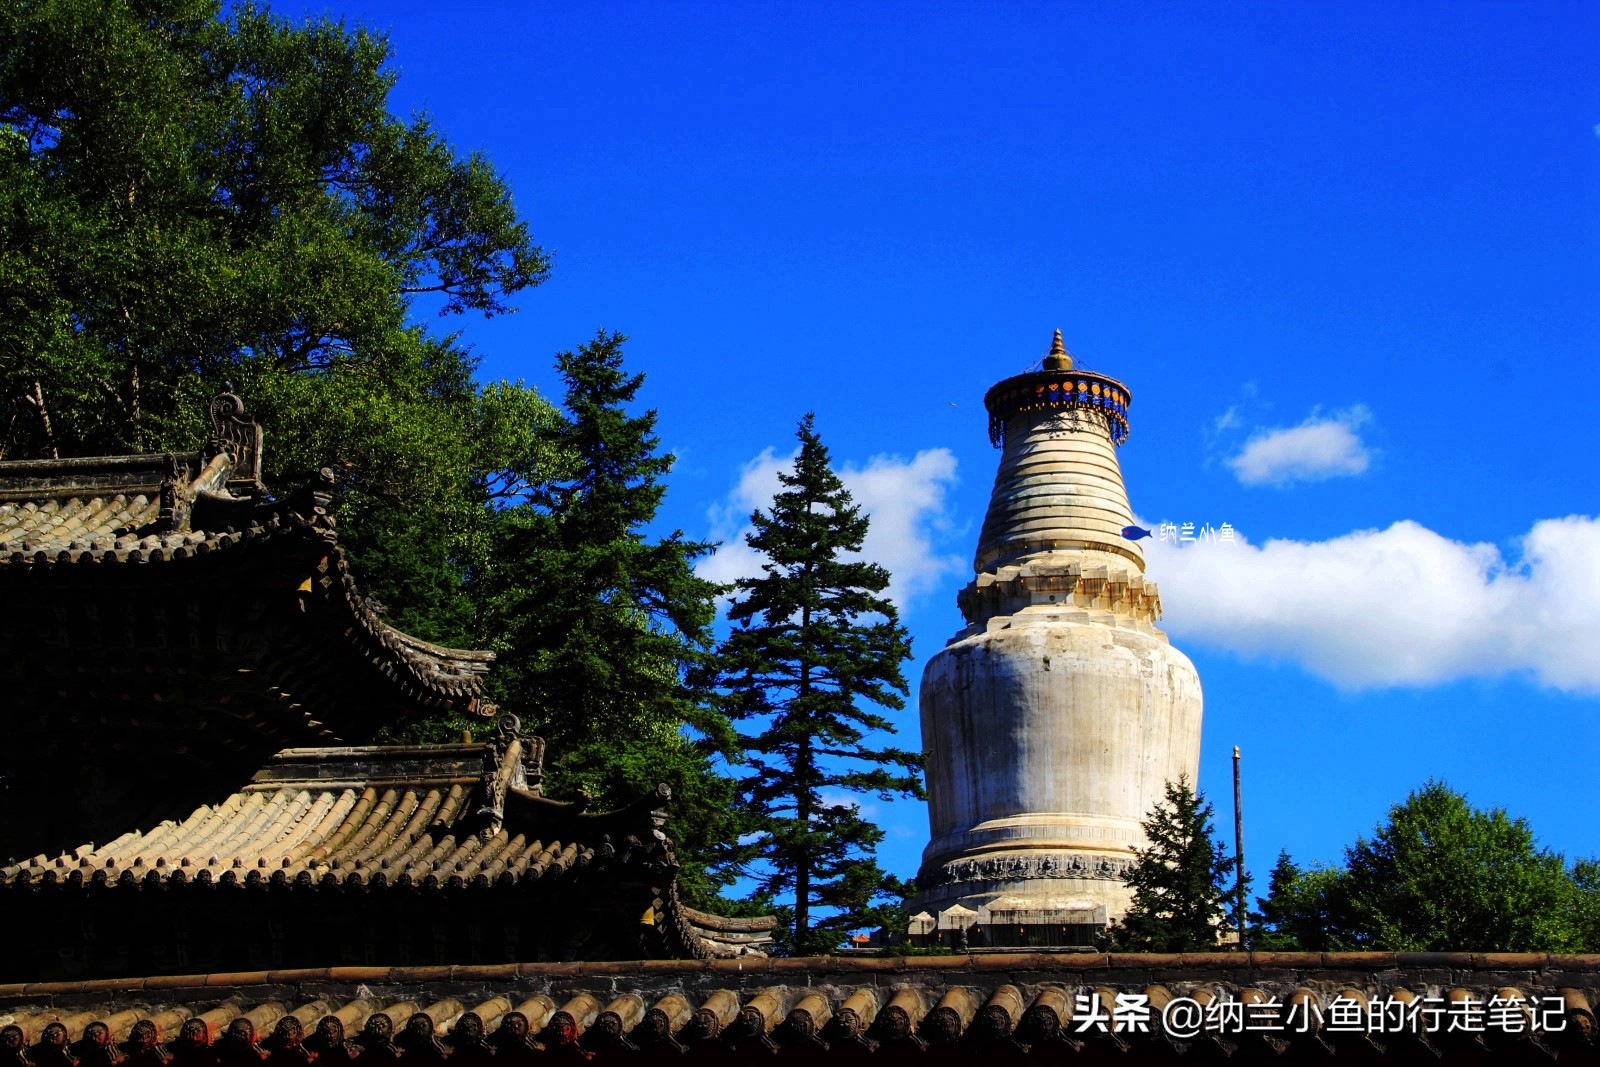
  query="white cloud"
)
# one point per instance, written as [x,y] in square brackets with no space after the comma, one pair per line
[904,498]
[1313,451]
[1395,607]
[864,803]
[758,483]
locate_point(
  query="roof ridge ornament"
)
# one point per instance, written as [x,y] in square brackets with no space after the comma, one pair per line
[511,760]
[238,436]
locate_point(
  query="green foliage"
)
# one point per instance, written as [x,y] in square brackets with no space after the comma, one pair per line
[1178,880]
[188,198]
[815,644]
[1585,876]
[425,462]
[1443,875]
[598,627]
[1440,875]
[862,897]
[191,196]
[1298,912]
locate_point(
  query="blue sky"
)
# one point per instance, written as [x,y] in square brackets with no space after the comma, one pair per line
[1346,257]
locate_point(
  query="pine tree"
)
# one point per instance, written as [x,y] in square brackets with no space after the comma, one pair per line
[599,628]
[1300,909]
[1177,882]
[815,646]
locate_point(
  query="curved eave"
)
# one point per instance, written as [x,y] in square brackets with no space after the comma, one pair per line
[281,557]
[387,844]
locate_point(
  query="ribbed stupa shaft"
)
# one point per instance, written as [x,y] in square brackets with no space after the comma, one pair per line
[1054,719]
[1059,489]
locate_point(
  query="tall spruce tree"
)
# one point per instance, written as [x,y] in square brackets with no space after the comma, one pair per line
[1177,882]
[600,627]
[815,646]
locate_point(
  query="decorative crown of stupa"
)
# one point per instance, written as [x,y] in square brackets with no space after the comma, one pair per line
[1058,385]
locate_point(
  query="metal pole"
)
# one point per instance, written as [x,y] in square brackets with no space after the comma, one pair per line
[1238,854]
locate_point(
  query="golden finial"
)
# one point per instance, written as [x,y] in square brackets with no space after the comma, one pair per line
[1059,358]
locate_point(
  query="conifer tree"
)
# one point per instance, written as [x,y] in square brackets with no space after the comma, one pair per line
[1177,882]
[1300,910]
[599,627]
[815,646]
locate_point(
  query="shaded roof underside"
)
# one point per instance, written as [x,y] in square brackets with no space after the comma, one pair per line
[165,608]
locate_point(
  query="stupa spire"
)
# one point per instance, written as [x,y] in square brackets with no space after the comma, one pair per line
[1059,358]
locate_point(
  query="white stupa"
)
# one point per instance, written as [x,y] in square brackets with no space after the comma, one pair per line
[1053,721]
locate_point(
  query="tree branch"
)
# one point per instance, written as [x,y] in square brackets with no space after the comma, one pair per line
[36,401]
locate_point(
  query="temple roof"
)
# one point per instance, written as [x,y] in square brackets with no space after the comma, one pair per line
[167,606]
[1285,1007]
[189,669]
[106,516]
[384,853]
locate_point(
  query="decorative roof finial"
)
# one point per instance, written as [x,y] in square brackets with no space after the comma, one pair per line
[239,436]
[1059,358]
